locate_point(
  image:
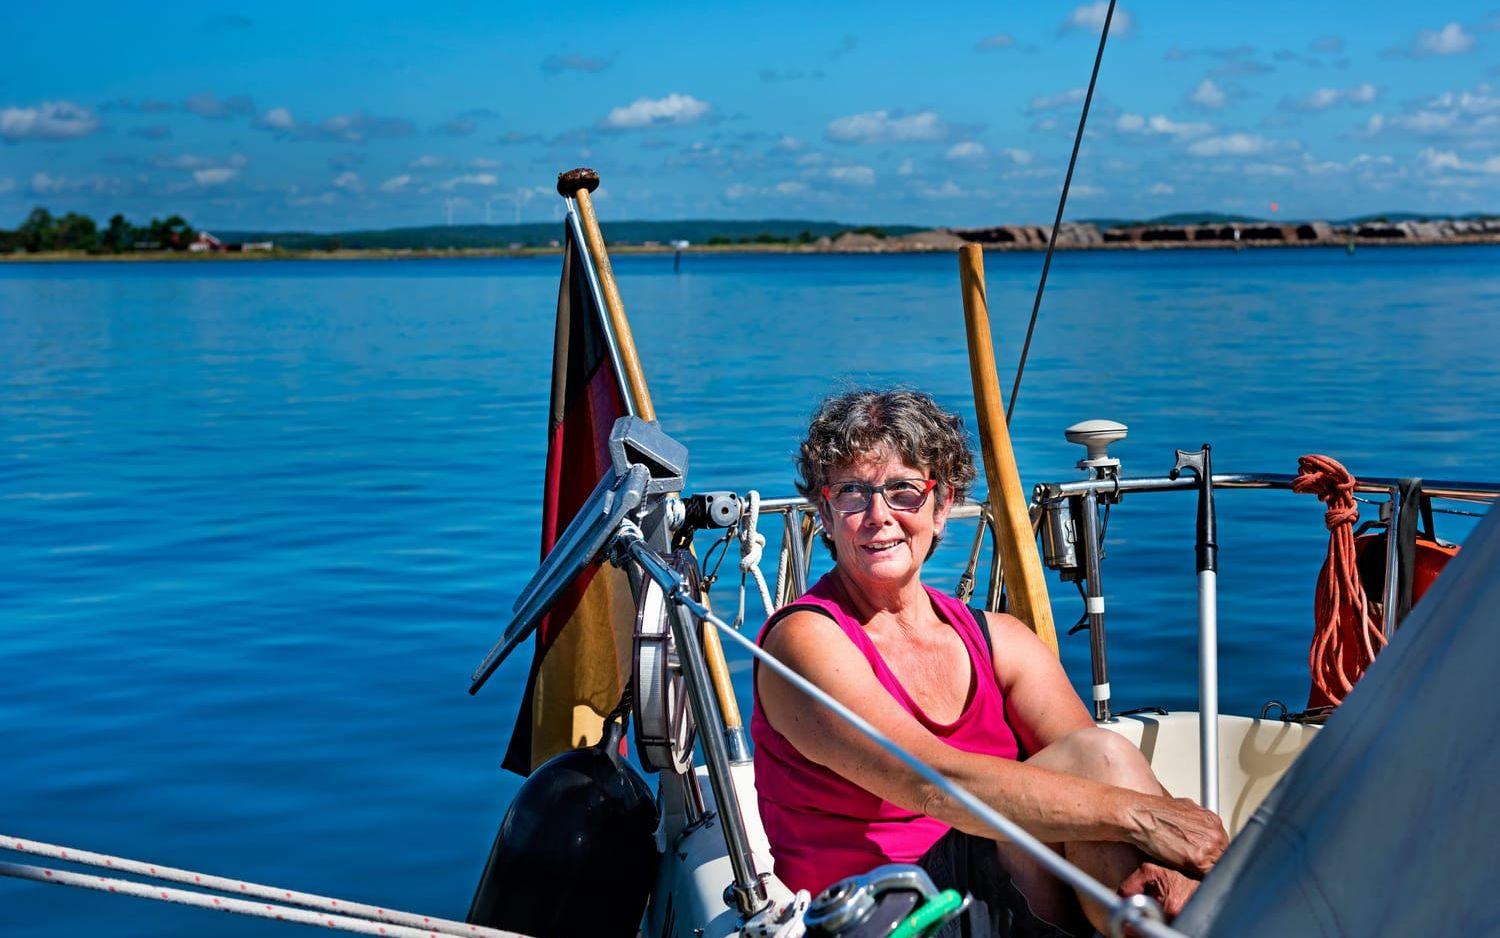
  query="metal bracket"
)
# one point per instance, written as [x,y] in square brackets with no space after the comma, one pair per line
[636,442]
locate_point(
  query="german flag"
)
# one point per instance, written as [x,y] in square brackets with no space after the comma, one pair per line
[581,663]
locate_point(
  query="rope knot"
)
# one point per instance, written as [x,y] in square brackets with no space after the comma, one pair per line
[1336,517]
[1325,477]
[1346,634]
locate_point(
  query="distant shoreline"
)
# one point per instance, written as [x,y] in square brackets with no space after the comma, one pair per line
[392,254]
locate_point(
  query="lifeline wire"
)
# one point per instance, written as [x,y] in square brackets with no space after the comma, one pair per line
[1036,306]
[338,908]
[280,913]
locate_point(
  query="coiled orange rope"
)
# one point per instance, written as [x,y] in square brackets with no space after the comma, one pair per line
[1346,634]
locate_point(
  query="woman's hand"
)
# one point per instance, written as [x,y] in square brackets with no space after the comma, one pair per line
[1178,832]
[1169,888]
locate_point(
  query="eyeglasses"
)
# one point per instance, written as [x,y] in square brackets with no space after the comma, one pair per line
[900,494]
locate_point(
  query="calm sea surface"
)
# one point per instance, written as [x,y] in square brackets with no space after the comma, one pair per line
[258,522]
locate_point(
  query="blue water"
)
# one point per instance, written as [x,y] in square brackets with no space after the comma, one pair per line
[258,522]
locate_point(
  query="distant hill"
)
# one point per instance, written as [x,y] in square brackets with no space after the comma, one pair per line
[1411,216]
[698,231]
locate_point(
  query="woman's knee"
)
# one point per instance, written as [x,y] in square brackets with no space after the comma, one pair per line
[1100,755]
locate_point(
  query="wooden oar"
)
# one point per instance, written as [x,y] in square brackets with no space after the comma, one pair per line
[1025,581]
[578,183]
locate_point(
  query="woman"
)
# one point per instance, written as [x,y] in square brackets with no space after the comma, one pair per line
[993,712]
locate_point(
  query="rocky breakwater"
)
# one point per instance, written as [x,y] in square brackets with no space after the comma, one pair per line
[1244,234]
[1087,235]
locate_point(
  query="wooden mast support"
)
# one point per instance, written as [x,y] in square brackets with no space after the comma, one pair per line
[577,184]
[1025,580]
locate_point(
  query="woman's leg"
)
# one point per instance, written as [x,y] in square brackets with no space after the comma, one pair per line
[1102,756]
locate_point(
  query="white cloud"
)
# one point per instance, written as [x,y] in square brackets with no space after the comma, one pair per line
[349,181]
[6,184]
[1090,18]
[1324,98]
[885,127]
[788,144]
[1018,156]
[1267,169]
[44,183]
[50,120]
[996,42]
[673,109]
[1159,125]
[205,104]
[396,183]
[858,177]
[739,191]
[1474,114]
[480,162]
[194,161]
[1450,40]
[480,180]
[214,175]
[357,127]
[278,119]
[948,190]
[1047,102]
[968,150]
[427,161]
[1208,95]
[1237,144]
[1161,188]
[206,172]
[907,167]
[1439,161]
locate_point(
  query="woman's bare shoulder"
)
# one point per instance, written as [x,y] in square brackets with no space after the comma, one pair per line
[1016,649]
[805,630]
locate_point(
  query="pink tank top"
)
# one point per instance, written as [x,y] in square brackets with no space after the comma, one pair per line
[823,827]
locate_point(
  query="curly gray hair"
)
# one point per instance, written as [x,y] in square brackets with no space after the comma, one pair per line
[850,427]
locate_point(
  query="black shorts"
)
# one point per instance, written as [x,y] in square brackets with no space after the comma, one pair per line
[971,865]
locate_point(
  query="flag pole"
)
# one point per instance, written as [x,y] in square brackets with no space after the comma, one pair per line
[1025,582]
[576,184]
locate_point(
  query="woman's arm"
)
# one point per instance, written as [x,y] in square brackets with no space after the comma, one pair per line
[1040,703]
[1050,805]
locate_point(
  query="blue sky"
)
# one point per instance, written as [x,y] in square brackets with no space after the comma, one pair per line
[332,116]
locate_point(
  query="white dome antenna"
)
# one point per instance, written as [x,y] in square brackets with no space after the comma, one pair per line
[1097,435]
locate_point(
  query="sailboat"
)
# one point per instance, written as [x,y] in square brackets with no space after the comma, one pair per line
[1290,786]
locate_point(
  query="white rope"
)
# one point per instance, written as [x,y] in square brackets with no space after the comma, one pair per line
[280,913]
[783,570]
[752,542]
[412,922]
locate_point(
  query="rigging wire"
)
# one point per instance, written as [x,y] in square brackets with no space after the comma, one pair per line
[1036,306]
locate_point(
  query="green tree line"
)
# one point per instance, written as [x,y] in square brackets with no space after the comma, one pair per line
[43,231]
